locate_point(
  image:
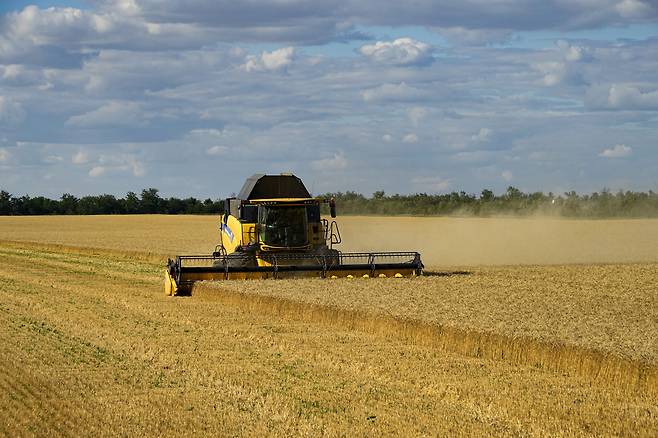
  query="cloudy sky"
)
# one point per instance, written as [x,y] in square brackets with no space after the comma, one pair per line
[191,97]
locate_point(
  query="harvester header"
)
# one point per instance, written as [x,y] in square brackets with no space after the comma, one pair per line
[274,229]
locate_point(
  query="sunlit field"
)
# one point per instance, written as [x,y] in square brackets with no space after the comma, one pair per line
[521,327]
[442,241]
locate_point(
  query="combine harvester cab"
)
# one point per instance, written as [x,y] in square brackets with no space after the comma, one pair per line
[273,229]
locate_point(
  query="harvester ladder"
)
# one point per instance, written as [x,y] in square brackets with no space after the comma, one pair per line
[334,235]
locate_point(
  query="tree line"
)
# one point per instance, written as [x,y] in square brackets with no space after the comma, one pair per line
[603,204]
[149,202]
[512,202]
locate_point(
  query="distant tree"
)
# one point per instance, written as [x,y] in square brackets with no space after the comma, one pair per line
[88,205]
[206,206]
[192,206]
[108,204]
[175,206]
[151,202]
[6,204]
[131,203]
[68,204]
[38,205]
[487,195]
[513,193]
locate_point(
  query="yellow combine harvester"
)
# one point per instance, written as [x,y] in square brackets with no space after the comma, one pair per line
[273,229]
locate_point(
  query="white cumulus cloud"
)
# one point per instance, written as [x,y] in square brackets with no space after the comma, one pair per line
[402,51]
[80,157]
[270,61]
[622,97]
[97,171]
[633,8]
[118,163]
[37,26]
[553,72]
[617,151]
[572,52]
[627,96]
[507,175]
[128,7]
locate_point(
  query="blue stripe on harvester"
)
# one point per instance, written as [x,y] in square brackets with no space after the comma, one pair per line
[228,231]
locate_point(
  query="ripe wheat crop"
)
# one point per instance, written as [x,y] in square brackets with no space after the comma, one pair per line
[611,308]
[91,345]
[442,241]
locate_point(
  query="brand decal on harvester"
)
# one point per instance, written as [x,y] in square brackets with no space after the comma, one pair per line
[228,231]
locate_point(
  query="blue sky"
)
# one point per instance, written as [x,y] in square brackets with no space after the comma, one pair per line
[191,97]
[17,5]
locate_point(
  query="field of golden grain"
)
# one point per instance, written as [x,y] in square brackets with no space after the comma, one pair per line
[442,241]
[608,308]
[91,345]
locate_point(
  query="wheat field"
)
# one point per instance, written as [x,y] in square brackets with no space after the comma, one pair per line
[609,308]
[92,346]
[441,241]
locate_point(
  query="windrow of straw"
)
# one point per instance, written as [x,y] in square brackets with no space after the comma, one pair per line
[141,256]
[598,367]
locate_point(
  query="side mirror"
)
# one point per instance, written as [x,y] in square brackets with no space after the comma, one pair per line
[332,207]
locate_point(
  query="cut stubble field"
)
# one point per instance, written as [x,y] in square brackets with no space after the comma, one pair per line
[484,346]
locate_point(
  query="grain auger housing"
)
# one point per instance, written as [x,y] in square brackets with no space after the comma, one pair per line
[274,229]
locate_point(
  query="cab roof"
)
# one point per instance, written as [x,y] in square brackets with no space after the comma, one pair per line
[262,187]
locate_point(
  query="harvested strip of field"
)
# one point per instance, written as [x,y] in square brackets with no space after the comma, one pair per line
[441,241]
[91,346]
[156,234]
[609,308]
